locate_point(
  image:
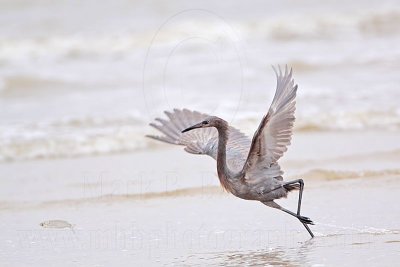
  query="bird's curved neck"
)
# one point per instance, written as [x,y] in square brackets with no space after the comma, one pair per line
[223,171]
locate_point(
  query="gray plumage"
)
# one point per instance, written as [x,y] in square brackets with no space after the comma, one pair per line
[247,168]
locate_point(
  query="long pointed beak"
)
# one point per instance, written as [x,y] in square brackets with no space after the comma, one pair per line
[199,125]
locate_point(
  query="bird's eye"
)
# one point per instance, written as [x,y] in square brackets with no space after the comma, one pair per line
[205,122]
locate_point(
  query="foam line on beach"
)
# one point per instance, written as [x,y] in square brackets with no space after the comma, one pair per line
[363,230]
[325,174]
[110,198]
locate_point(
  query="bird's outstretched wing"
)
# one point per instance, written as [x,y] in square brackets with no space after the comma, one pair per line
[274,134]
[203,140]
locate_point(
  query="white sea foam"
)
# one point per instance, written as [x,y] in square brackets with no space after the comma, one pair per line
[360,230]
[69,138]
[92,136]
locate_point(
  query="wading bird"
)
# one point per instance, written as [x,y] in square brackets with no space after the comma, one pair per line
[247,168]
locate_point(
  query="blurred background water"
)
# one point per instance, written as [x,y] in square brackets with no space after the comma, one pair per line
[86,77]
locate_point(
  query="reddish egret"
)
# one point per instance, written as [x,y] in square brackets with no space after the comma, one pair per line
[247,168]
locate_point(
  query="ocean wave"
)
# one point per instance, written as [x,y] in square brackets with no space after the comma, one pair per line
[312,65]
[116,44]
[86,136]
[16,85]
[70,138]
[384,22]
[324,174]
[317,26]
[351,120]
[69,47]
[337,121]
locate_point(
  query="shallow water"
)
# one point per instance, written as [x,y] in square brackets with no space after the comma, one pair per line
[89,80]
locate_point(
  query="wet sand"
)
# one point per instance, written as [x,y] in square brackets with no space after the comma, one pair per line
[211,228]
[125,212]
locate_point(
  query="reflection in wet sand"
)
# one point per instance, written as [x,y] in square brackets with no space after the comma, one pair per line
[331,246]
[279,256]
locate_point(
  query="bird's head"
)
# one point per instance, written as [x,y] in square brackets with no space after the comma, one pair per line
[208,122]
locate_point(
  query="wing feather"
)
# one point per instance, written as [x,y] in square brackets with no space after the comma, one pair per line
[274,134]
[201,141]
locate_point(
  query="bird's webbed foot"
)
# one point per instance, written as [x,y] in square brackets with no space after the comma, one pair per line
[305,220]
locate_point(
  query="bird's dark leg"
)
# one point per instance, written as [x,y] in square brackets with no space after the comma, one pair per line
[301,183]
[304,222]
[302,219]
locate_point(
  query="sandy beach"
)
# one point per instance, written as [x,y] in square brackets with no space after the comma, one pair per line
[126,212]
